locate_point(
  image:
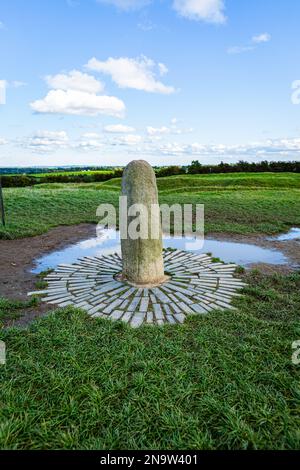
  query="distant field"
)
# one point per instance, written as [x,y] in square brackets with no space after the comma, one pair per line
[69,173]
[234,203]
[194,183]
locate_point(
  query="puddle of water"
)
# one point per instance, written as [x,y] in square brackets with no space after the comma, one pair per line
[109,242]
[293,234]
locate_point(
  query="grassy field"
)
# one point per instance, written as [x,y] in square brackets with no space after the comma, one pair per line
[70,173]
[224,381]
[221,381]
[234,203]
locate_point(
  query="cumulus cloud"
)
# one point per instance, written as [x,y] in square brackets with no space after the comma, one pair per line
[126,4]
[76,93]
[163,69]
[272,148]
[264,37]
[139,73]
[78,103]
[74,80]
[88,144]
[158,130]
[129,139]
[118,129]
[211,11]
[3,141]
[47,141]
[44,142]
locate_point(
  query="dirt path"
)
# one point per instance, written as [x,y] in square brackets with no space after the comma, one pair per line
[17,258]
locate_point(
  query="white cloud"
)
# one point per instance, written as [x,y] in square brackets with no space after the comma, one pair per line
[163,69]
[47,141]
[3,141]
[91,135]
[88,144]
[264,37]
[126,4]
[118,129]
[211,11]
[274,148]
[154,131]
[138,73]
[78,103]
[158,130]
[260,39]
[130,139]
[74,80]
[2,26]
[43,142]
[239,49]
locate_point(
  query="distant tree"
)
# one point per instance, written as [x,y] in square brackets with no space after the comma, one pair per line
[194,168]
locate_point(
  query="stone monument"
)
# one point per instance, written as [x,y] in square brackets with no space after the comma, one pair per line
[134,288]
[143,263]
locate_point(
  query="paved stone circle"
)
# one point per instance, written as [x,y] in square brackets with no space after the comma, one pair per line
[197,285]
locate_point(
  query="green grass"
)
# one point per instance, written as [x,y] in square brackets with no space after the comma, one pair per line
[234,203]
[195,183]
[13,309]
[70,173]
[223,381]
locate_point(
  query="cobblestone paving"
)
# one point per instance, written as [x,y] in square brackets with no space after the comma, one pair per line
[196,286]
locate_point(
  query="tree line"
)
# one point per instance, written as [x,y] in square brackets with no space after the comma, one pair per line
[195,168]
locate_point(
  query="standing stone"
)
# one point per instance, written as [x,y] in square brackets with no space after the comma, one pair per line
[142,258]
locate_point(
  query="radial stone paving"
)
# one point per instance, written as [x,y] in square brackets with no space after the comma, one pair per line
[196,286]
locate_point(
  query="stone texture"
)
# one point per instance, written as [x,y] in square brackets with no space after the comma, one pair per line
[198,291]
[142,258]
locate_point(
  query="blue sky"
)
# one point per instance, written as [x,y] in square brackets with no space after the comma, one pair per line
[103,82]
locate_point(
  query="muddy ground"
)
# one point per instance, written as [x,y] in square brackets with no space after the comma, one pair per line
[17,259]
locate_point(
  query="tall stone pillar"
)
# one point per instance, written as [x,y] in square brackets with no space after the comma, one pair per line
[142,257]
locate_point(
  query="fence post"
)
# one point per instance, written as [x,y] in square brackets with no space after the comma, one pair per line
[2,204]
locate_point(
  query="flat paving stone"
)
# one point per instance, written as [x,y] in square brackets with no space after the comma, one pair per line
[197,285]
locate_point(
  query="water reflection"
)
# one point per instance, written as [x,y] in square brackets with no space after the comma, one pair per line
[108,242]
[293,234]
